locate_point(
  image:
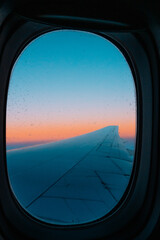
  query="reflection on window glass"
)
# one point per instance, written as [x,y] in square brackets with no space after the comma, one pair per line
[70,127]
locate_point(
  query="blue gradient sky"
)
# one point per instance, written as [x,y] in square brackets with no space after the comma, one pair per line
[67,83]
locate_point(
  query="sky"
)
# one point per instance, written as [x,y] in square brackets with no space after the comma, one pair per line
[67,83]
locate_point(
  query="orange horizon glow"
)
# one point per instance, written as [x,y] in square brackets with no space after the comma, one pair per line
[52,133]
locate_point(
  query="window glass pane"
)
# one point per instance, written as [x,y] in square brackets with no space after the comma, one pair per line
[70,127]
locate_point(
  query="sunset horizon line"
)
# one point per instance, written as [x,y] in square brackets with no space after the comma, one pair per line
[49,140]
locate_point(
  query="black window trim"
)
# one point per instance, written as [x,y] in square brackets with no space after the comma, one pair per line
[117,223]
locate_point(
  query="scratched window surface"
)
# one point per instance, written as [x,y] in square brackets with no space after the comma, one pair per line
[70,127]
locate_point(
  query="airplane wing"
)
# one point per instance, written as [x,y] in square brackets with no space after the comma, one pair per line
[71,181]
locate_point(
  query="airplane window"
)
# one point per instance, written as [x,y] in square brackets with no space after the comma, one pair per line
[70,127]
